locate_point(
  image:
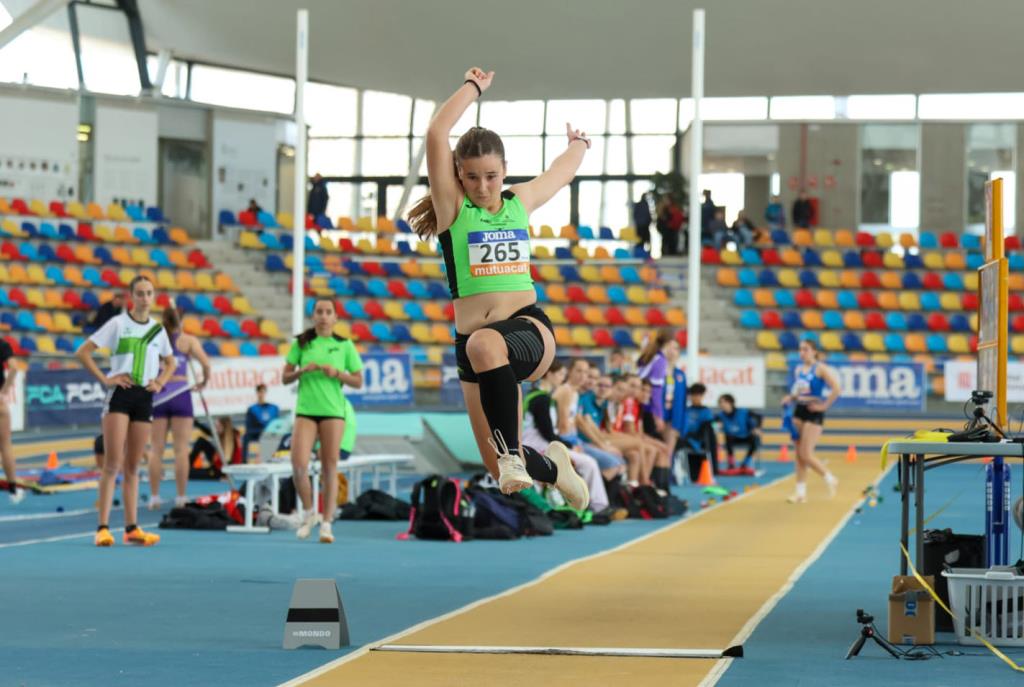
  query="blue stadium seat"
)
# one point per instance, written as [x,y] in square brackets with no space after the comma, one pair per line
[851,259]
[414,310]
[155,214]
[952,281]
[308,306]
[585,232]
[894,342]
[358,288]
[640,253]
[617,294]
[936,343]
[569,274]
[743,298]
[404,227]
[65,345]
[750,319]
[811,258]
[630,275]
[930,301]
[204,304]
[751,256]
[780,237]
[916,322]
[851,342]
[28,343]
[354,309]
[1016,261]
[266,219]
[211,348]
[92,275]
[55,274]
[378,288]
[784,298]
[48,231]
[393,269]
[808,279]
[90,300]
[161,237]
[185,303]
[959,323]
[912,261]
[29,252]
[401,333]
[8,320]
[102,254]
[975,260]
[789,341]
[314,263]
[911,282]
[896,322]
[791,319]
[438,290]
[622,254]
[382,332]
[232,328]
[323,222]
[142,236]
[833,320]
[159,256]
[226,217]
[248,348]
[970,242]
[606,234]
[542,293]
[927,240]
[748,277]
[405,248]
[563,253]
[338,285]
[768,278]
[271,242]
[135,212]
[274,263]
[25,320]
[31,229]
[66,232]
[623,338]
[46,253]
[419,289]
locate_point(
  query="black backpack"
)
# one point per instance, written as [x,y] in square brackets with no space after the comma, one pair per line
[620,495]
[375,505]
[195,516]
[494,517]
[652,505]
[440,510]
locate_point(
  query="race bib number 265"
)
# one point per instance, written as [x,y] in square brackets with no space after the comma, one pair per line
[504,251]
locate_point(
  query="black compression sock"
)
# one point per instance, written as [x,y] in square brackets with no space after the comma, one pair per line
[539,466]
[499,397]
[102,527]
[128,529]
[660,478]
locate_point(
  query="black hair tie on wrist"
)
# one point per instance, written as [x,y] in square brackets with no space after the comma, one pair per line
[479,91]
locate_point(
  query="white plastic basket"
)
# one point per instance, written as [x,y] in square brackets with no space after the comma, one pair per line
[989,602]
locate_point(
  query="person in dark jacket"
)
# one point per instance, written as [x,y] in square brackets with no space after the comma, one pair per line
[257,417]
[111,308]
[318,197]
[741,427]
[802,211]
[642,221]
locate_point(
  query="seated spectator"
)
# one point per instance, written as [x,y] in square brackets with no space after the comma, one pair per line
[625,420]
[699,442]
[566,399]
[741,427]
[257,417]
[254,207]
[594,427]
[775,214]
[745,228]
[539,432]
[206,461]
[618,363]
[718,231]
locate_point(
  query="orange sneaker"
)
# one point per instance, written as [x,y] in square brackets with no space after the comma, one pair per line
[104,538]
[140,538]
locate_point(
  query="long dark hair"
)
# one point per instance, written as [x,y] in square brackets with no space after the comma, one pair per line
[477,142]
[654,345]
[307,336]
[171,319]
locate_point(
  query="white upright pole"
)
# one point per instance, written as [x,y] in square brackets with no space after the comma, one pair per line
[299,209]
[696,164]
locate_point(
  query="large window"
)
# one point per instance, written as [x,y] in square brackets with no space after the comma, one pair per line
[246,90]
[890,182]
[990,154]
[386,114]
[330,110]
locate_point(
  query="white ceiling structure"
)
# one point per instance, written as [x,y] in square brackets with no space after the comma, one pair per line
[601,48]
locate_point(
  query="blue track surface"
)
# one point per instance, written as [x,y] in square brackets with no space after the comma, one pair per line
[204,608]
[804,640]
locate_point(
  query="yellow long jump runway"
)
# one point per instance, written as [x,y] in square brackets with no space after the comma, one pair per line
[703,582]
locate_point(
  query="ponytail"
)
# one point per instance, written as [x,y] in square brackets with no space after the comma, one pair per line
[423,219]
[654,346]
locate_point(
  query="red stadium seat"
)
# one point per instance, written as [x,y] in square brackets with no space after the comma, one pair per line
[974,343]
[969,300]
[250,328]
[73,300]
[870,280]
[111,278]
[681,338]
[1015,303]
[615,317]
[603,338]
[931,282]
[57,209]
[535,272]
[85,232]
[267,348]
[374,269]
[223,305]
[865,240]
[66,254]
[875,320]
[247,218]
[805,299]
[871,259]
[212,327]
[1017,323]
[10,251]
[398,288]
[770,257]
[375,310]
[163,300]
[656,317]
[198,260]
[937,322]
[20,207]
[574,315]
[949,240]
[1011,243]
[449,311]
[577,294]
[866,300]
[710,256]
[771,320]
[346,246]
[17,296]
[361,332]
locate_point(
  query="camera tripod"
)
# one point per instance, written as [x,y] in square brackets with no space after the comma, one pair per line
[869,631]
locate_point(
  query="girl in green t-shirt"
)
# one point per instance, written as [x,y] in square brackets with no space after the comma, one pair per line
[323,363]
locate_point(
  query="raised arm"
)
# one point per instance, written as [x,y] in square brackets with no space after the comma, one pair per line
[445,189]
[540,190]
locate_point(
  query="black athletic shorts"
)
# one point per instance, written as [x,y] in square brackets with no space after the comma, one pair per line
[802,412]
[135,402]
[320,418]
[97,445]
[523,339]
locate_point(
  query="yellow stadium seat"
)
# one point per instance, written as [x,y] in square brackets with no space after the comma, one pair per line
[726,276]
[791,257]
[974,321]
[165,280]
[395,311]
[186,281]
[204,281]
[954,260]
[35,298]
[823,238]
[126,275]
[891,280]
[17,274]
[635,316]
[907,240]
[556,314]
[774,360]
[883,240]
[853,319]
[958,343]
[419,331]
[640,336]
[832,258]
[76,209]
[582,336]
[39,207]
[327,245]
[811,319]
[241,304]
[888,300]
[180,236]
[285,219]
[597,293]
[831,341]
[849,279]
[971,281]
[580,253]
[637,294]
[346,224]
[950,301]
[628,234]
[269,329]
[675,317]
[844,238]
[249,239]
[425,249]
[826,298]
[190,324]
[764,298]
[432,270]
[45,344]
[546,232]
[730,257]
[787,278]
[364,223]
[62,323]
[892,261]
[768,341]
[36,275]
[541,252]
[802,237]
[933,260]
[909,301]
[590,273]
[117,213]
[319,286]
[140,256]
[828,279]
[365,246]
[915,343]
[610,274]
[550,273]
[104,232]
[873,342]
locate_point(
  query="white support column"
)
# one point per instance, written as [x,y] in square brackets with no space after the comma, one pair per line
[299,209]
[696,165]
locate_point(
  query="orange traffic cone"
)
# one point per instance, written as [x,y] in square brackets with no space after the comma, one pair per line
[851,454]
[784,454]
[51,462]
[706,479]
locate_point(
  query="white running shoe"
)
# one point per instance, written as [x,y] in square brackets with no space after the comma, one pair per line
[155,503]
[832,482]
[180,501]
[797,498]
[512,474]
[308,523]
[326,535]
[569,483]
[17,496]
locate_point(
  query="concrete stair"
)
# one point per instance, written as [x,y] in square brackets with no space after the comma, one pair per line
[267,292]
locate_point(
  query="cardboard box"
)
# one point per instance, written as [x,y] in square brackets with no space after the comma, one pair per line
[911,611]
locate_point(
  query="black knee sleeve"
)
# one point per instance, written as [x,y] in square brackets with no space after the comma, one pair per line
[499,398]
